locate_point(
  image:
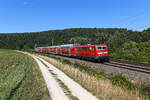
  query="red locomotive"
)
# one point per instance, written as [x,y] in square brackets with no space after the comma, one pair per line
[91,52]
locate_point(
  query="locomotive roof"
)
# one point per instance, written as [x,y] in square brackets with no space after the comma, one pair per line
[68,45]
[92,45]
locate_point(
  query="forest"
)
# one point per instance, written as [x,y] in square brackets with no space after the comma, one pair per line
[123,43]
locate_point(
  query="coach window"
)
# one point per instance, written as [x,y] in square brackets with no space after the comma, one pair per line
[75,48]
[86,48]
[79,48]
[90,48]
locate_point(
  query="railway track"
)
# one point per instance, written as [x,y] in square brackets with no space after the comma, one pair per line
[132,63]
[144,68]
[138,67]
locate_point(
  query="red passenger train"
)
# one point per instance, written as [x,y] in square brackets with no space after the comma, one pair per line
[91,52]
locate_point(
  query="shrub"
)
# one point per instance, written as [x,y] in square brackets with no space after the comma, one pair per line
[122,81]
[67,61]
[145,89]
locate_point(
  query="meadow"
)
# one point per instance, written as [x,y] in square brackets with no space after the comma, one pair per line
[20,77]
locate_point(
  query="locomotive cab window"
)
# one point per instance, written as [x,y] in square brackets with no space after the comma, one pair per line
[101,47]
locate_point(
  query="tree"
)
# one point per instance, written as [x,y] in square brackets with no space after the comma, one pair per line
[131,50]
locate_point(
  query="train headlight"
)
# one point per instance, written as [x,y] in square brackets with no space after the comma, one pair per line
[100,53]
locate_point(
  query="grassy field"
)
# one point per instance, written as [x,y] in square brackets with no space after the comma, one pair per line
[20,78]
[100,83]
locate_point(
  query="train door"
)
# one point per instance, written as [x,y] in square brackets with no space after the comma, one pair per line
[56,50]
[93,51]
[72,51]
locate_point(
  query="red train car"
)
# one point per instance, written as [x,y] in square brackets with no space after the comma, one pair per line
[48,49]
[41,49]
[54,49]
[37,49]
[93,52]
[44,49]
[69,49]
[51,49]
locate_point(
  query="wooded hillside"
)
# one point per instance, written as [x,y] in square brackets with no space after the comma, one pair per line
[123,43]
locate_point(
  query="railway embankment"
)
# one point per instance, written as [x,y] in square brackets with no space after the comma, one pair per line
[135,72]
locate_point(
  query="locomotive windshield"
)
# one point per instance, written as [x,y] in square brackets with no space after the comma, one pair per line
[101,47]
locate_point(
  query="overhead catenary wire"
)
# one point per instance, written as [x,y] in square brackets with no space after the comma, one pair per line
[132,20]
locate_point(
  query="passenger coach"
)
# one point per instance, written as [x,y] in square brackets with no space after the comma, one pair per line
[69,49]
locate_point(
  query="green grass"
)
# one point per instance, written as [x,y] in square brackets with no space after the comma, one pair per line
[20,77]
[126,56]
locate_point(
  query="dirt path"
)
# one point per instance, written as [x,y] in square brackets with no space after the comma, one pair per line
[55,90]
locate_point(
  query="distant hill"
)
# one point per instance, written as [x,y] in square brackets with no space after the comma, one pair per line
[74,35]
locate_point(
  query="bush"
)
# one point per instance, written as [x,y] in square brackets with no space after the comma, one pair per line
[122,81]
[67,61]
[117,55]
[145,89]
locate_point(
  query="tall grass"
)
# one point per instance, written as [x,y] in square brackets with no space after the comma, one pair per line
[20,78]
[101,87]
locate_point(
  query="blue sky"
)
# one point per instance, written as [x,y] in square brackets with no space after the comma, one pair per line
[40,15]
